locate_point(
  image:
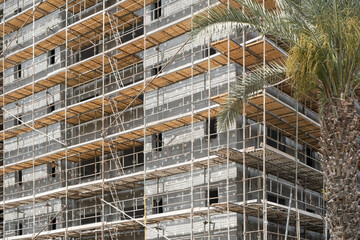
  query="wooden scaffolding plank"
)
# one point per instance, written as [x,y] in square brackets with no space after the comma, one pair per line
[46,7]
[278,163]
[89,110]
[309,132]
[91,149]
[254,52]
[123,182]
[276,213]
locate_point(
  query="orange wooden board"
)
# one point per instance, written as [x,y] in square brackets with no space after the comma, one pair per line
[46,7]
[308,131]
[91,109]
[123,140]
[254,52]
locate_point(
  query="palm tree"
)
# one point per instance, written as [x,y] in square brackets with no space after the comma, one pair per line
[324,59]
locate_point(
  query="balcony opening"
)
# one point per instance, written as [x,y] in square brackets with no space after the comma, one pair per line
[90,168]
[51,168]
[276,199]
[272,137]
[155,70]
[19,177]
[91,218]
[310,210]
[208,52]
[92,95]
[20,229]
[52,224]
[213,196]
[309,157]
[157,142]
[211,126]
[50,108]
[156,10]
[17,71]
[157,206]
[17,10]
[51,56]
[17,120]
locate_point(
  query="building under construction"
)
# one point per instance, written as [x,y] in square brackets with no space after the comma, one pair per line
[109,128]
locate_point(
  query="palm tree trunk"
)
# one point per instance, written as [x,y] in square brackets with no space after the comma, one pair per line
[340,154]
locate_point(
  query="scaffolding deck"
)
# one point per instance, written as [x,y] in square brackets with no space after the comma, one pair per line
[254,51]
[123,225]
[276,213]
[83,71]
[281,115]
[124,140]
[84,28]
[91,109]
[278,163]
[93,188]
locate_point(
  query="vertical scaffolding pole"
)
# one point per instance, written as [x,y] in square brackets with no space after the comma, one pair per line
[33,116]
[3,120]
[192,132]
[296,170]
[208,136]
[265,221]
[243,131]
[65,122]
[103,126]
[228,137]
[144,111]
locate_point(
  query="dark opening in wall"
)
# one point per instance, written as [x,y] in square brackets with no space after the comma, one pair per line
[155,70]
[51,56]
[51,169]
[88,51]
[20,229]
[52,224]
[276,199]
[157,206]
[157,142]
[272,137]
[17,120]
[17,71]
[211,127]
[208,52]
[141,97]
[309,157]
[90,167]
[310,210]
[17,10]
[19,177]
[92,95]
[91,218]
[156,10]
[50,108]
[213,196]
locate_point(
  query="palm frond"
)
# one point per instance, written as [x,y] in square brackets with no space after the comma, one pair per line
[245,87]
[221,19]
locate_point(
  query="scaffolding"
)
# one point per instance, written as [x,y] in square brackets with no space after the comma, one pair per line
[108,128]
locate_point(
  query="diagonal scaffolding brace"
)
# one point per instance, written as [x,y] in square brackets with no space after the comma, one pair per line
[20,120]
[142,224]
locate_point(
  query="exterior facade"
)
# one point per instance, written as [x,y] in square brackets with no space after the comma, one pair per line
[109,128]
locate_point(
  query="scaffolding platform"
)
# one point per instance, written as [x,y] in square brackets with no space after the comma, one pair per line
[276,213]
[281,115]
[123,225]
[123,140]
[128,181]
[278,163]
[254,51]
[87,110]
